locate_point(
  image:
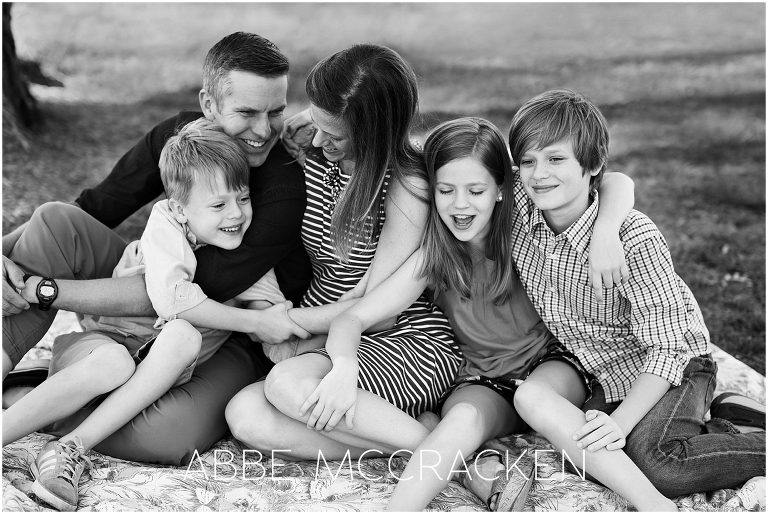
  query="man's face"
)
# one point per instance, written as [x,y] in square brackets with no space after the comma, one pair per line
[556,182]
[252,112]
[215,214]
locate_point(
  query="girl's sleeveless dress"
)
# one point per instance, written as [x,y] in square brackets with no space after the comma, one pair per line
[409,365]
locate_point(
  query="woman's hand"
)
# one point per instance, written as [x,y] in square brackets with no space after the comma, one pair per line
[298,132]
[607,262]
[600,431]
[334,397]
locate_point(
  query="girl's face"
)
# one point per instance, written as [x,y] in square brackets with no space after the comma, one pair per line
[465,195]
[331,136]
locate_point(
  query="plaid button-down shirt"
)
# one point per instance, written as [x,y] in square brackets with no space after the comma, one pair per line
[650,325]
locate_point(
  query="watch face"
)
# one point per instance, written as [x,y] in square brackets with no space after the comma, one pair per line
[46,291]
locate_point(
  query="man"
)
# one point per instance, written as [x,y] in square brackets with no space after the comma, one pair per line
[244,90]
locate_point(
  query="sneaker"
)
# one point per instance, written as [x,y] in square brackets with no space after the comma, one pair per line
[57,472]
[739,410]
[751,496]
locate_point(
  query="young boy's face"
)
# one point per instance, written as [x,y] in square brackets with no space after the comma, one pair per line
[555,181]
[216,216]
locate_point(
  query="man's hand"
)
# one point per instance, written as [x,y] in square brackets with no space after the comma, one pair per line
[335,397]
[607,263]
[275,326]
[600,431]
[298,132]
[13,282]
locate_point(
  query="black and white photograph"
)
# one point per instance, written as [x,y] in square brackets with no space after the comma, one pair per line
[369,256]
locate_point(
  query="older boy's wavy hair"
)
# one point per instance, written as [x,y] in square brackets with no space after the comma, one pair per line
[558,115]
[201,150]
[241,51]
[448,261]
[373,91]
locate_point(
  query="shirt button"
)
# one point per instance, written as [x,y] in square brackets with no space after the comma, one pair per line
[552,290]
[603,375]
[552,256]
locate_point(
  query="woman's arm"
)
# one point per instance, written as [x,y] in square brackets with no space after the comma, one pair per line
[406,218]
[608,266]
[336,395]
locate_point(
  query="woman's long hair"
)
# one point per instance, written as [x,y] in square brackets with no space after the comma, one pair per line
[373,91]
[448,261]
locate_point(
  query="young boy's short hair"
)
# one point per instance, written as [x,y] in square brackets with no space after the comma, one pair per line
[558,115]
[198,151]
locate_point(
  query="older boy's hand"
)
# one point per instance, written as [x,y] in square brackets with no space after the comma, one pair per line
[13,282]
[607,263]
[600,431]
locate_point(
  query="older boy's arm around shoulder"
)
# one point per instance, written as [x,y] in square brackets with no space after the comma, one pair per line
[659,320]
[607,263]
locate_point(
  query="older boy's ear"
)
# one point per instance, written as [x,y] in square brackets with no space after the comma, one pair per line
[207,104]
[177,210]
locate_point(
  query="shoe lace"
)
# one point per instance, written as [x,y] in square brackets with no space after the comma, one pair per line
[75,456]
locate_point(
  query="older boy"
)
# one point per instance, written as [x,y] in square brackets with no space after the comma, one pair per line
[137,359]
[646,343]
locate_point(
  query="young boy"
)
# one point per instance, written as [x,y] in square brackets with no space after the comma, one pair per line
[136,360]
[646,344]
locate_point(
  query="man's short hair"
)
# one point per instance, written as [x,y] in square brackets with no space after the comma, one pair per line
[241,51]
[558,115]
[199,151]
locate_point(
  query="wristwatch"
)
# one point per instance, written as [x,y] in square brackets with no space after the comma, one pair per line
[47,291]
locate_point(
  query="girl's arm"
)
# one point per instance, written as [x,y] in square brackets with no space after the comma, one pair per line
[608,265]
[406,218]
[336,395]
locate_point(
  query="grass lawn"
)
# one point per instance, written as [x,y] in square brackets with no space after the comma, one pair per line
[682,85]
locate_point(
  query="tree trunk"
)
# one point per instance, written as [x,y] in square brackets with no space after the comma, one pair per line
[19,106]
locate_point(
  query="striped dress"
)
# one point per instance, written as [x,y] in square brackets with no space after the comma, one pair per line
[409,365]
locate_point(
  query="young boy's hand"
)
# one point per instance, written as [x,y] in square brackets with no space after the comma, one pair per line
[600,431]
[13,302]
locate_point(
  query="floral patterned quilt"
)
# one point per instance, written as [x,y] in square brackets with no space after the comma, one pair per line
[221,480]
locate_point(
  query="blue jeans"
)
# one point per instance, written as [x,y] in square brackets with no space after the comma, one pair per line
[680,453]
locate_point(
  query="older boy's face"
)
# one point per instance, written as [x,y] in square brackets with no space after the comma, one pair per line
[252,112]
[217,215]
[555,181]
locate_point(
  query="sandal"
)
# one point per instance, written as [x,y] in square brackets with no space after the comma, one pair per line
[739,410]
[512,483]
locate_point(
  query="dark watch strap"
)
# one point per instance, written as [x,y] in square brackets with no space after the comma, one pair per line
[45,300]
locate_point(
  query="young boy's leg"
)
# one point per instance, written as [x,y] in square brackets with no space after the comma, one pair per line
[60,241]
[547,402]
[187,418]
[471,415]
[176,347]
[680,453]
[85,366]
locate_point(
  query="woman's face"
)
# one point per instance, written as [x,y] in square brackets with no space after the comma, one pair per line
[465,195]
[331,135]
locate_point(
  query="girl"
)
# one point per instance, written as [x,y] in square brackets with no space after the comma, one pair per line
[465,260]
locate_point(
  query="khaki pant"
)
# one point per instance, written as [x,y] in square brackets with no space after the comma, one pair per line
[62,241]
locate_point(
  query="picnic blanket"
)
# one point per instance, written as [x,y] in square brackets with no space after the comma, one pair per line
[222,480]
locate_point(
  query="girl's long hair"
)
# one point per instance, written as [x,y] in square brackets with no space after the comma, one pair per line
[373,91]
[448,261]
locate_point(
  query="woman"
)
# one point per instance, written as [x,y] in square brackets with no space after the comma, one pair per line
[366,193]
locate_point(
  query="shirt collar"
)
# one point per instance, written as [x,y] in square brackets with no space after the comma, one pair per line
[578,234]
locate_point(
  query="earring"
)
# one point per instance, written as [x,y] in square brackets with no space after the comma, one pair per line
[499,198]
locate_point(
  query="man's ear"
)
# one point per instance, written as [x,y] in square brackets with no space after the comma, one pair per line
[207,104]
[177,210]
